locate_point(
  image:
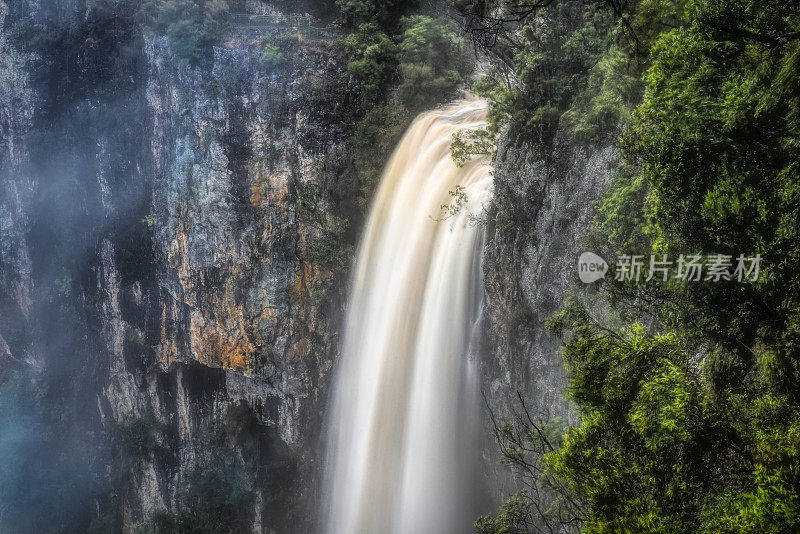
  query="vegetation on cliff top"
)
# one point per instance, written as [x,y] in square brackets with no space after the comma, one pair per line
[192,26]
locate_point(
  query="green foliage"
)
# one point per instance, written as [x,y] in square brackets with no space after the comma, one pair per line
[573,64]
[193,26]
[384,13]
[358,11]
[372,57]
[459,200]
[422,87]
[431,55]
[650,19]
[641,453]
[550,66]
[272,54]
[505,224]
[508,228]
[658,450]
[719,151]
[605,103]
[469,143]
[623,212]
[692,424]
[330,249]
[513,518]
[434,60]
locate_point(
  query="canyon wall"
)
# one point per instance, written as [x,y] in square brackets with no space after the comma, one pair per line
[543,208]
[159,200]
[155,278]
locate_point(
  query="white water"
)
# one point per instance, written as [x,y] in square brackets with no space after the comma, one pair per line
[402,431]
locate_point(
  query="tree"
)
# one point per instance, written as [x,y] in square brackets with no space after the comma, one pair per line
[193,26]
[693,423]
[372,57]
[434,61]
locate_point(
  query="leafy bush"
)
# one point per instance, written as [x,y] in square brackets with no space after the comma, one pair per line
[373,57]
[434,59]
[384,13]
[193,26]
[556,52]
[358,11]
[271,54]
[513,518]
[469,143]
[610,95]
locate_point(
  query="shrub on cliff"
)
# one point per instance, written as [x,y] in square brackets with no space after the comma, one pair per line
[434,60]
[384,13]
[193,26]
[372,58]
[566,63]
[549,63]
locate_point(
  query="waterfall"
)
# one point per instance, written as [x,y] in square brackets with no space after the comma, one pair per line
[402,430]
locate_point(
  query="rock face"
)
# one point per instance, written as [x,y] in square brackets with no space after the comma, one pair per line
[193,285]
[153,260]
[16,189]
[544,206]
[223,320]
[229,300]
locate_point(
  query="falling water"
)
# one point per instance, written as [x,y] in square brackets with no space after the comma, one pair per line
[402,431]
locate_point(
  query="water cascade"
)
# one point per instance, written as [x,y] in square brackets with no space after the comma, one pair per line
[403,425]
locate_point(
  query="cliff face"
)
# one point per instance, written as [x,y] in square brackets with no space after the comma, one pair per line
[222,321]
[155,280]
[16,109]
[543,207]
[544,201]
[160,201]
